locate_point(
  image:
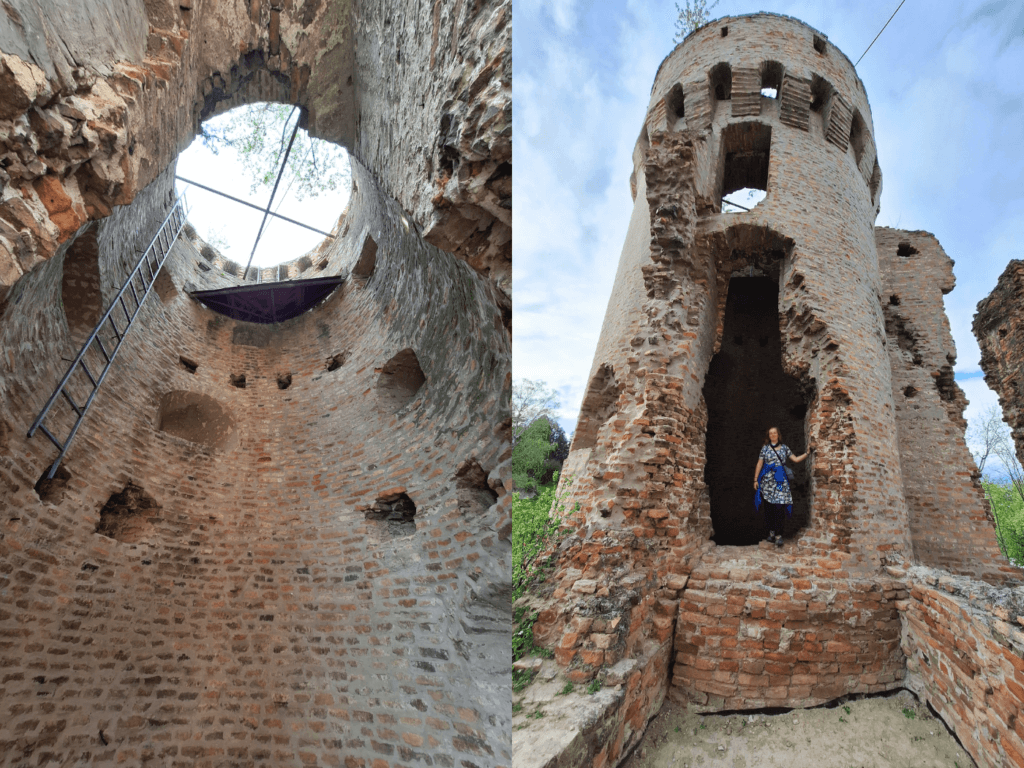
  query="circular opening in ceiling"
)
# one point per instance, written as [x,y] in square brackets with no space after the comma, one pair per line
[242,153]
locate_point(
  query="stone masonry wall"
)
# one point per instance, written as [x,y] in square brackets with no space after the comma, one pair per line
[964,648]
[99,98]
[230,598]
[951,525]
[999,328]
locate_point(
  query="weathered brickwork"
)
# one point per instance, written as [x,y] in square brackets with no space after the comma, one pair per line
[756,632]
[964,648]
[999,328]
[203,584]
[862,379]
[99,98]
[939,473]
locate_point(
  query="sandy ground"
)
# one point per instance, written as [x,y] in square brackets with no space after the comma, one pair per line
[875,732]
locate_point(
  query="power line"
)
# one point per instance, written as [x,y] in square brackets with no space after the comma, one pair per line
[880,32]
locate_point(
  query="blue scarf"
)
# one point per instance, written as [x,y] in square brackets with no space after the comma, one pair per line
[780,478]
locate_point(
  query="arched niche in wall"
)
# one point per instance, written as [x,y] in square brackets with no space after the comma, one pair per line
[720,84]
[197,418]
[399,382]
[80,286]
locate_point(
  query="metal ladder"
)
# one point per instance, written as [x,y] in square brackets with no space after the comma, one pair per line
[152,260]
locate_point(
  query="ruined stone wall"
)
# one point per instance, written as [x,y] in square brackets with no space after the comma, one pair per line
[964,644]
[951,526]
[999,328]
[755,632]
[97,100]
[228,573]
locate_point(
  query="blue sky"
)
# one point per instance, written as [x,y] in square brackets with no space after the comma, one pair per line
[946,87]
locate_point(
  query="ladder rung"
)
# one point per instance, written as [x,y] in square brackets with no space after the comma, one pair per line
[114,325]
[88,373]
[136,295]
[102,348]
[128,315]
[71,402]
[53,439]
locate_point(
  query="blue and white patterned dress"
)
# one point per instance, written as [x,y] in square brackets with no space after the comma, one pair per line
[772,492]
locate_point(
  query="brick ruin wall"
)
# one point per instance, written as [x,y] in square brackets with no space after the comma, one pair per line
[96,99]
[939,473]
[999,328]
[206,580]
[638,579]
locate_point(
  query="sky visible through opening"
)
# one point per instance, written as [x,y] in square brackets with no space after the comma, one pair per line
[231,227]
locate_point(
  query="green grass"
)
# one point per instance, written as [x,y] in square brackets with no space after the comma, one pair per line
[536,523]
[909,713]
[517,707]
[594,687]
[567,689]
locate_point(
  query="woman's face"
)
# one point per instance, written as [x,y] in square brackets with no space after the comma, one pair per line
[773,435]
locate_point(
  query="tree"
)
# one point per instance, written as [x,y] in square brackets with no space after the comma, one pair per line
[259,133]
[530,455]
[531,400]
[694,15]
[990,438]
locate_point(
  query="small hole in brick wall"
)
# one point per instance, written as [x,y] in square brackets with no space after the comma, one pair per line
[335,362]
[128,516]
[284,380]
[189,365]
[1002,333]
[819,44]
[203,267]
[394,516]
[238,380]
[51,490]
[321,266]
[725,31]
[474,494]
[894,300]
[165,287]
[399,382]
[910,390]
[905,249]
[367,258]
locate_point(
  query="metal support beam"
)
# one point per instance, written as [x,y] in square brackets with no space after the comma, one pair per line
[251,205]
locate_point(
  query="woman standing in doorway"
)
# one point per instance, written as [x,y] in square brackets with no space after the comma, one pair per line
[771,482]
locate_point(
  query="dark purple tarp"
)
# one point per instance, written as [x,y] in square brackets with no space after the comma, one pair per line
[268,302]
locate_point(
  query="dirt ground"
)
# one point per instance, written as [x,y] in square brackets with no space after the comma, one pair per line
[894,731]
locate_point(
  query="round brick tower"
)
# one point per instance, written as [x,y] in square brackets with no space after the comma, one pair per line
[723,322]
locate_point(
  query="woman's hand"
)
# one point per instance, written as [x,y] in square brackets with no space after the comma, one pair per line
[755,485]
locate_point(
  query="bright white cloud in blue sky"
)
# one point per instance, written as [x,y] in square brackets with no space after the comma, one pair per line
[947,101]
[236,224]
